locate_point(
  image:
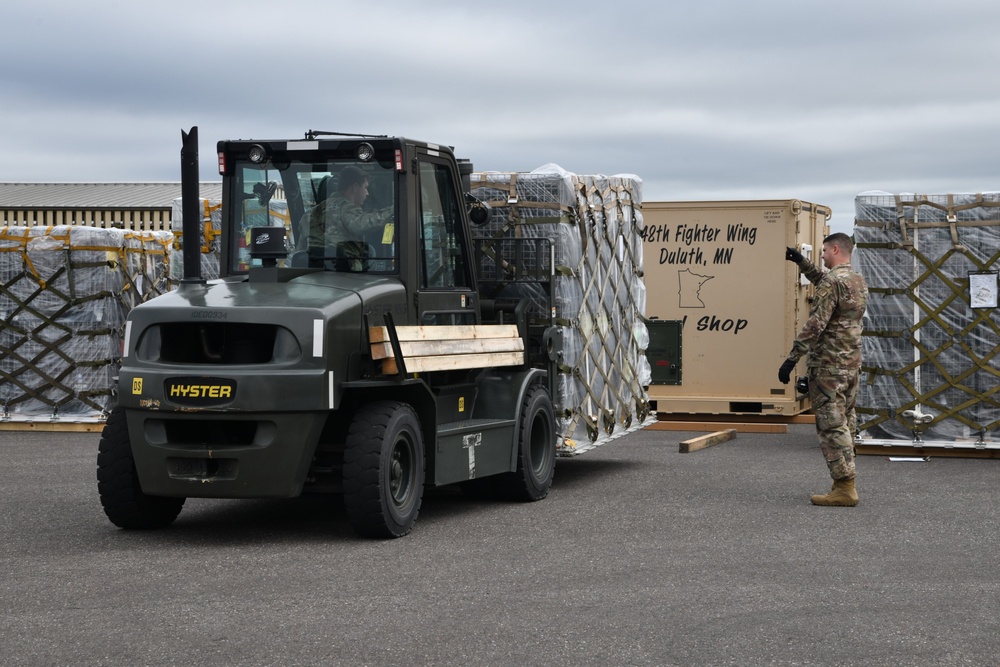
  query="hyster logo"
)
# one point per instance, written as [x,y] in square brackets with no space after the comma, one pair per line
[263,239]
[200,391]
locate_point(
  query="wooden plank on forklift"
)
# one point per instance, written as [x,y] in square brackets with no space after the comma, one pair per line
[451,362]
[440,348]
[444,332]
[703,441]
[427,348]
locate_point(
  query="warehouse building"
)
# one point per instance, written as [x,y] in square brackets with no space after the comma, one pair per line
[74,258]
[136,206]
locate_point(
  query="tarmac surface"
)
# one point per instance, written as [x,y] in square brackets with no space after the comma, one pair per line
[640,555]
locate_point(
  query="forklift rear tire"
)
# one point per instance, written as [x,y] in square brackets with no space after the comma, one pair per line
[384,469]
[118,483]
[536,456]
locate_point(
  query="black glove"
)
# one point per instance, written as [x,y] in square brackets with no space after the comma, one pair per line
[785,372]
[793,255]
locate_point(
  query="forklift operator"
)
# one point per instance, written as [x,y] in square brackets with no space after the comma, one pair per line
[338,224]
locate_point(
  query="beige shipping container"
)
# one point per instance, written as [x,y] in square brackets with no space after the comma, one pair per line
[720,268]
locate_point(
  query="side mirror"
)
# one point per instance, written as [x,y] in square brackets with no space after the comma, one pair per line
[265,192]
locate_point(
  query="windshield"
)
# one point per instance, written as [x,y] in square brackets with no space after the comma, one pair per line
[338,215]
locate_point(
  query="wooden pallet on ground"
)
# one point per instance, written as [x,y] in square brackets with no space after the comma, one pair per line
[905,449]
[741,423]
[49,426]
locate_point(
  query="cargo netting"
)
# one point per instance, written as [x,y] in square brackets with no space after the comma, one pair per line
[930,366]
[584,230]
[64,295]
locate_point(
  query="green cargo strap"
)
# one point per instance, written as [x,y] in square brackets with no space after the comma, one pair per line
[889,291]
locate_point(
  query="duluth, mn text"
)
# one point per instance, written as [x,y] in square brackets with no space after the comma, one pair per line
[685,235]
[688,240]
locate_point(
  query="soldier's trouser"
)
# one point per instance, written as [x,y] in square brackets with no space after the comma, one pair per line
[833,394]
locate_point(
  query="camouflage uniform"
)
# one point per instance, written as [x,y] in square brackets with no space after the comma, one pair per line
[337,219]
[831,339]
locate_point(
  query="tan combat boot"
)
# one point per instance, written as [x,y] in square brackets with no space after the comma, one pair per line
[842,494]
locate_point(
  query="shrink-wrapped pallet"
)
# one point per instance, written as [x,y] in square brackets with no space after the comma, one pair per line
[62,312]
[932,330]
[584,230]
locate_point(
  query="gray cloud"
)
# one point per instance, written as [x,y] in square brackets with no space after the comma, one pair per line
[711,100]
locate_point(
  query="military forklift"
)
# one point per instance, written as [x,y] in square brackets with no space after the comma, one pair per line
[372,366]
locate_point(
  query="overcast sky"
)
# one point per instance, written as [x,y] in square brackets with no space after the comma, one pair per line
[766,99]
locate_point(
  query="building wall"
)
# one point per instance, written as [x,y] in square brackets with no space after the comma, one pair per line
[136,219]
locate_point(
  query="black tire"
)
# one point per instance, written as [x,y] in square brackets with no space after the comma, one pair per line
[118,484]
[536,455]
[384,469]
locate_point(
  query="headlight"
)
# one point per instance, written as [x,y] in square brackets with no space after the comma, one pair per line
[365,152]
[257,154]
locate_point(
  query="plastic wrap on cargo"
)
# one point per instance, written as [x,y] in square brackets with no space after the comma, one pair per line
[593,224]
[930,349]
[62,308]
[147,266]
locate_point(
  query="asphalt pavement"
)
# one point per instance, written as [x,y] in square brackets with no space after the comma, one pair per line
[640,555]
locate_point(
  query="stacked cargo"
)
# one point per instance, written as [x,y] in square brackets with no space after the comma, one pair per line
[584,231]
[62,311]
[930,357]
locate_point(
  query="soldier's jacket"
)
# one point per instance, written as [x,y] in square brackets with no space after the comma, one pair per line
[336,220]
[832,335]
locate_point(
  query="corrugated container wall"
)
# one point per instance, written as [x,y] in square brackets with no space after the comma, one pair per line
[720,268]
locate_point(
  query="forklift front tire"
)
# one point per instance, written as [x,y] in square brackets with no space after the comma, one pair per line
[118,483]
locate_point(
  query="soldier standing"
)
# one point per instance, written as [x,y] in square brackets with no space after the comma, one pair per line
[831,342]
